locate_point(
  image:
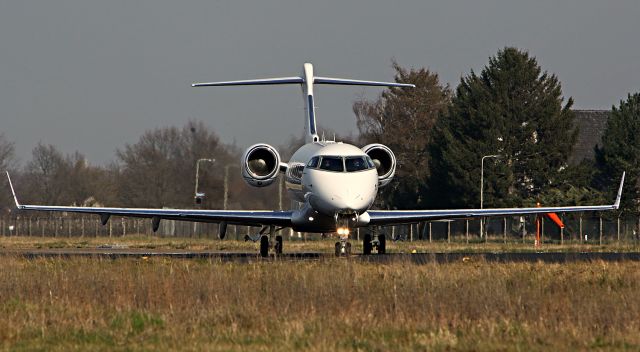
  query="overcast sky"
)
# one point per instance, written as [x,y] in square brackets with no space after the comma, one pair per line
[93,75]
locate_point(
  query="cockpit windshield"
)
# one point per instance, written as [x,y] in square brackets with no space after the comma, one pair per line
[341,164]
[331,163]
[355,163]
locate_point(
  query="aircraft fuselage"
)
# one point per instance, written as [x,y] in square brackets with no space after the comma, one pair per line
[336,182]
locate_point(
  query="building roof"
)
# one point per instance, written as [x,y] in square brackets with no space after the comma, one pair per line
[591,125]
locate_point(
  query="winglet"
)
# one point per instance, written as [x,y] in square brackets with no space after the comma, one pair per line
[616,205]
[13,191]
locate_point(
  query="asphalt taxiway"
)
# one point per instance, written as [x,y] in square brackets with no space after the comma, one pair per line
[417,258]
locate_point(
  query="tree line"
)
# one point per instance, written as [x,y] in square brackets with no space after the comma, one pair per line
[512,110]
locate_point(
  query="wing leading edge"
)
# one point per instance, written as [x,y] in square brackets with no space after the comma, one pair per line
[238,217]
[392,217]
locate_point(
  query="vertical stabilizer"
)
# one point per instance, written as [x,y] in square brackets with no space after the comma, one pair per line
[309,103]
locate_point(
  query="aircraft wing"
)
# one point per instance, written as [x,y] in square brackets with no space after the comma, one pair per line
[237,217]
[397,217]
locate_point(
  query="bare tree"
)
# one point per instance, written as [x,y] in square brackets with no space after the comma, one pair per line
[159,170]
[7,163]
[403,119]
[45,175]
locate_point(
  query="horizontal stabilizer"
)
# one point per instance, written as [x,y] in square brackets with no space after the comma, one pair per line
[253,82]
[355,82]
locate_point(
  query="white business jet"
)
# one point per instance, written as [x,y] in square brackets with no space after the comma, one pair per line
[336,184]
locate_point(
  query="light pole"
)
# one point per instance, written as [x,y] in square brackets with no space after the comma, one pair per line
[198,196]
[482,188]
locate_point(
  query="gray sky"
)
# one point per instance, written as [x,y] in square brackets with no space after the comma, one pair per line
[93,75]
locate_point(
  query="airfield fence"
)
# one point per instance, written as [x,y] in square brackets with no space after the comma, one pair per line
[579,228]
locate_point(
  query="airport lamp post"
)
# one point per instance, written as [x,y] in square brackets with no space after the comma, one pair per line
[198,196]
[482,188]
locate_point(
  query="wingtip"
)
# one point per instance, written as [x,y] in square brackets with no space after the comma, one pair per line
[13,192]
[616,205]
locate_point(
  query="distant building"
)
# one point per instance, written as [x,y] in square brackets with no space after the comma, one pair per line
[591,124]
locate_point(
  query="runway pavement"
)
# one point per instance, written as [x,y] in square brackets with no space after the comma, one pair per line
[417,258]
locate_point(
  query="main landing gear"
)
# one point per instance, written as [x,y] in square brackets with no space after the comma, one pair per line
[265,244]
[265,241]
[379,243]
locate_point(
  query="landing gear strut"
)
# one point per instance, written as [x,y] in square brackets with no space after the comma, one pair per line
[278,246]
[382,244]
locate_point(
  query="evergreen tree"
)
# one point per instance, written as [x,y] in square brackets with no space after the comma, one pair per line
[511,109]
[403,120]
[620,152]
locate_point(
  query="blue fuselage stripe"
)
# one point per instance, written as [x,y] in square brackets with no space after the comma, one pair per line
[312,117]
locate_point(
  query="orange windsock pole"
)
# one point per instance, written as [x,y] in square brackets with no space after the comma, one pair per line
[538,226]
[553,216]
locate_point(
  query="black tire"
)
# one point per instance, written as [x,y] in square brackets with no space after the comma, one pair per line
[279,245]
[367,247]
[382,246]
[338,249]
[347,249]
[264,246]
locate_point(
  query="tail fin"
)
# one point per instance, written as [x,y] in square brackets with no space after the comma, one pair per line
[307,80]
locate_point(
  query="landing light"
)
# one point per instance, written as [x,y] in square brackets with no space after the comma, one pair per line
[311,218]
[343,231]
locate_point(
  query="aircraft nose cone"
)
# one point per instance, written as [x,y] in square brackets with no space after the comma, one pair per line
[348,201]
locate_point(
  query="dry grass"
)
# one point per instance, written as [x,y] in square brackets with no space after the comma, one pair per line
[88,304]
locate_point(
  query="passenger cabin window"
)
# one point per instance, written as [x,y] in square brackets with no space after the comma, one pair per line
[313,163]
[355,163]
[331,163]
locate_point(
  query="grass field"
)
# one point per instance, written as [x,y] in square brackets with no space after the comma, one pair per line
[337,304]
[325,245]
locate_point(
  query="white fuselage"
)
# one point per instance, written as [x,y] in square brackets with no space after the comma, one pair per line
[333,184]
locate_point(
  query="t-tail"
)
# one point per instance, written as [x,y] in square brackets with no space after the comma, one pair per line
[307,80]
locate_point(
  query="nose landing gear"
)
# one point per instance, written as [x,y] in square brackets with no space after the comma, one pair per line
[343,248]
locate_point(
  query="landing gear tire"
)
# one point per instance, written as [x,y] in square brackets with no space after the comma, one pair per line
[366,245]
[338,249]
[279,245]
[382,244]
[347,248]
[264,246]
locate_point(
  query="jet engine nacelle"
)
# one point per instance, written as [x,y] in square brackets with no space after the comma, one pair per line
[260,165]
[385,162]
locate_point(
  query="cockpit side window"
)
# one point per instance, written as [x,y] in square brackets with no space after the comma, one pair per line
[313,163]
[355,163]
[331,163]
[370,162]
